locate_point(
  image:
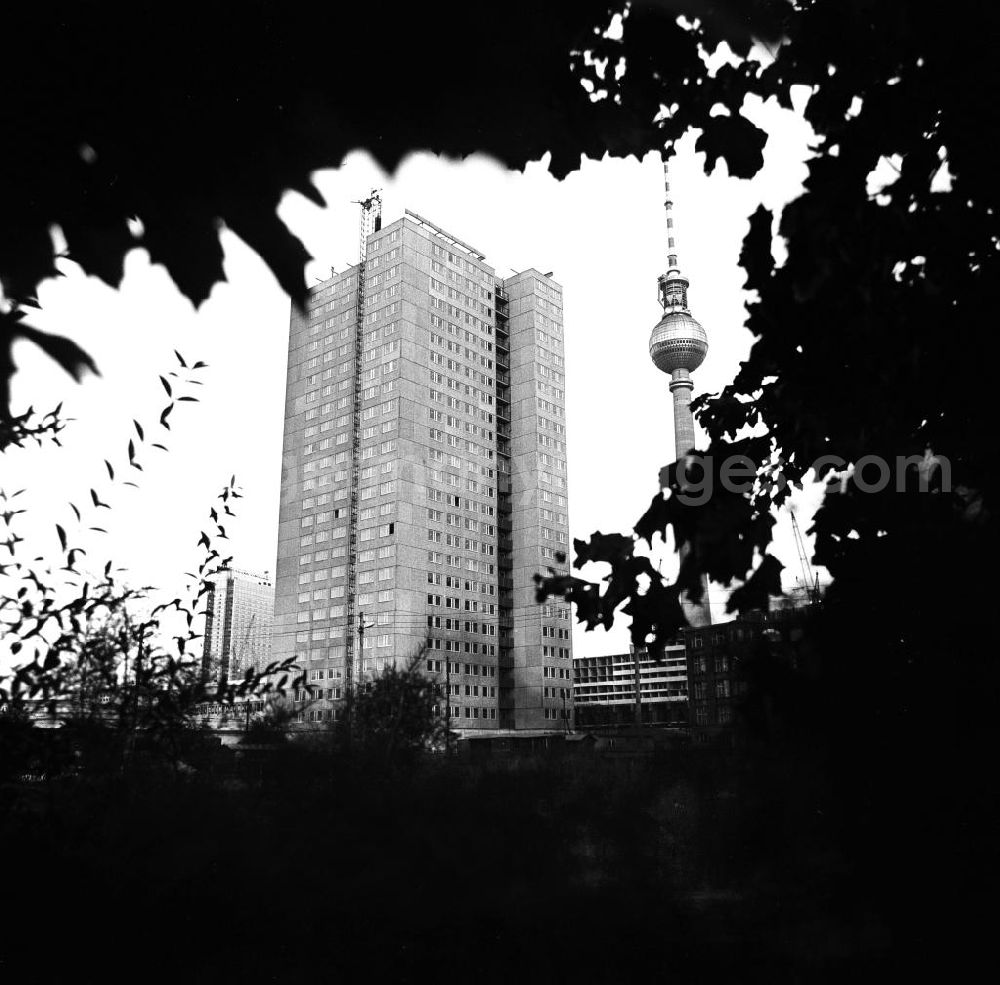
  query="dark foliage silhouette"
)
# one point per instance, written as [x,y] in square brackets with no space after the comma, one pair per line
[857,334]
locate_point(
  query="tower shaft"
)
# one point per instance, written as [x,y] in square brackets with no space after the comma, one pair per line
[681,386]
[677,346]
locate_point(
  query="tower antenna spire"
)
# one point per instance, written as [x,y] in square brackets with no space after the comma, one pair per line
[672,285]
[668,206]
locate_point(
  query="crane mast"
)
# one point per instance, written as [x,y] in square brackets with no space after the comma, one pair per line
[810,582]
[236,657]
[370,222]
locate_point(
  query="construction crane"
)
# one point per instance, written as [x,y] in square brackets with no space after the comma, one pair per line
[810,582]
[370,222]
[235,663]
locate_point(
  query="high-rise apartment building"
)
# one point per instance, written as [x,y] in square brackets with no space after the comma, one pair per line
[238,619]
[424,481]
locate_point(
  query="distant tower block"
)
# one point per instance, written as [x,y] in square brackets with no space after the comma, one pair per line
[678,346]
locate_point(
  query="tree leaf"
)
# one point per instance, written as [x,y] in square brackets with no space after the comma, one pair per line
[737,140]
[64,351]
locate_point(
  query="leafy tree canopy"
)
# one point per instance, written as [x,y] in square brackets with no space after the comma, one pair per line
[185,118]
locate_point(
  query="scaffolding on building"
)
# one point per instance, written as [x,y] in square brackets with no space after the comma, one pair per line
[370,222]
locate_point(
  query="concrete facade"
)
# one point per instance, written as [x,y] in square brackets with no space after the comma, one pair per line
[438,537]
[542,647]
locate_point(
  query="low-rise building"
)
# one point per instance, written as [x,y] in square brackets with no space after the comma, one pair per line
[718,660]
[604,688]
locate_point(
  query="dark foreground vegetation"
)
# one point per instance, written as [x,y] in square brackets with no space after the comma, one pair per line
[282,860]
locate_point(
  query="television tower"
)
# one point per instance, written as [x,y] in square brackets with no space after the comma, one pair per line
[678,346]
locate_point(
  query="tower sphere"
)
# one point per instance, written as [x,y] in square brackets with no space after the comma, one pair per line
[678,342]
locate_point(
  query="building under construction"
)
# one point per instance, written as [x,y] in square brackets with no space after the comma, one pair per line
[638,687]
[423,480]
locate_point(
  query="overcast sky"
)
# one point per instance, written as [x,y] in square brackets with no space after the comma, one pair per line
[601,231]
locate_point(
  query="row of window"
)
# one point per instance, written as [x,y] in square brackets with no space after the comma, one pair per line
[461,626]
[462,563]
[463,444]
[367,513]
[449,581]
[722,689]
[453,422]
[700,664]
[463,263]
[471,605]
[365,534]
[461,646]
[376,244]
[467,282]
[386,407]
[551,480]
[556,651]
[384,595]
[463,351]
[544,424]
[376,279]
[454,520]
[464,543]
[461,405]
[456,366]
[469,670]
[548,407]
[709,715]
[462,316]
[467,389]
[553,342]
[453,499]
[460,333]
[547,390]
[549,374]
[454,294]
[473,712]
[555,714]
